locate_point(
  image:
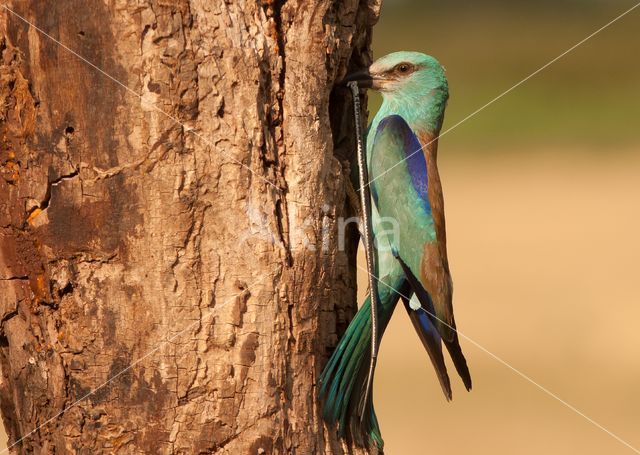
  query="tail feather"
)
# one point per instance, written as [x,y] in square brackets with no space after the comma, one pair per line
[343,381]
[333,377]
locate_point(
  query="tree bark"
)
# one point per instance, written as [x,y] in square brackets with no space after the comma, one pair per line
[170,277]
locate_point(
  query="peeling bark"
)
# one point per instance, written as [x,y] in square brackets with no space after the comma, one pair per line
[177,237]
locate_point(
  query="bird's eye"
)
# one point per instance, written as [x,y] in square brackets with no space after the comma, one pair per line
[403,68]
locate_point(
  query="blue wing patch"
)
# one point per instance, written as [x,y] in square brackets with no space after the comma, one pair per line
[412,154]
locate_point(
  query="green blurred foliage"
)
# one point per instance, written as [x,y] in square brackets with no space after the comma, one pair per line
[590,98]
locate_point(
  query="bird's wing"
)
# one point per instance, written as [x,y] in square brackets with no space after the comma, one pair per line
[400,188]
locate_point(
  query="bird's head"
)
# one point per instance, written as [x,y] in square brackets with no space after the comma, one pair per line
[404,75]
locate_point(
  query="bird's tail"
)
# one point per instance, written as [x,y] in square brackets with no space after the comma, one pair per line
[343,381]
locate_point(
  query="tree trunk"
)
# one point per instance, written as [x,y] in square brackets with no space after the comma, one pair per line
[170,277]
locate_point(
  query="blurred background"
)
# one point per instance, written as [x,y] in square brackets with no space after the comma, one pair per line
[542,194]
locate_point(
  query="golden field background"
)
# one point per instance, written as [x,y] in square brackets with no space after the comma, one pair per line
[542,196]
[544,252]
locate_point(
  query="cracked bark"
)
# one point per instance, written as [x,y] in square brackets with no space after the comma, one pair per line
[134,245]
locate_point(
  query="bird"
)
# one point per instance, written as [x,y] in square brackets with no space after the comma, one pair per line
[411,263]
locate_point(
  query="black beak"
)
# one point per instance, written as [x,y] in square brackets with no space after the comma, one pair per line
[362,77]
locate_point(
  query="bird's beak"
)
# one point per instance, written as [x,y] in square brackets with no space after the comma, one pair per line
[363,77]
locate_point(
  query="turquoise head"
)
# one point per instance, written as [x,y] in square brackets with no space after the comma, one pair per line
[413,85]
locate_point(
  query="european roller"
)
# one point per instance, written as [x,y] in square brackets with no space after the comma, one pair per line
[411,252]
